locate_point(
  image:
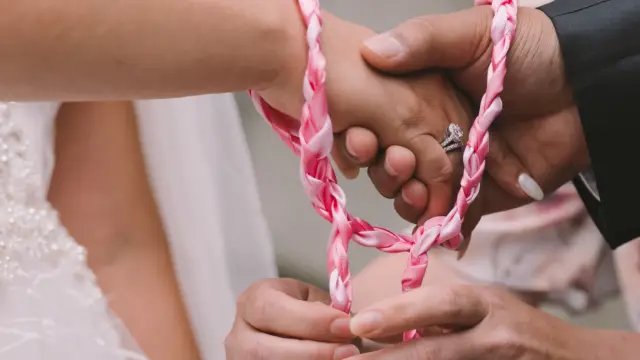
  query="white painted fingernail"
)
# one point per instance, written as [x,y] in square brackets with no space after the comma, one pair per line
[385,46]
[530,187]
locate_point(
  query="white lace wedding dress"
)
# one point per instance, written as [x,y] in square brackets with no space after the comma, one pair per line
[50,305]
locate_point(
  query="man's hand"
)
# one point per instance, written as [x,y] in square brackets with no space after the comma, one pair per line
[288,320]
[460,43]
[477,323]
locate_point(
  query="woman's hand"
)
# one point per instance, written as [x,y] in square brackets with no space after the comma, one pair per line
[479,323]
[283,319]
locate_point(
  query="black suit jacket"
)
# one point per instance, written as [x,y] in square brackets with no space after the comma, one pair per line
[600,43]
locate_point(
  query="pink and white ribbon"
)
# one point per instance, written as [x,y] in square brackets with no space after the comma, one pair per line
[313,141]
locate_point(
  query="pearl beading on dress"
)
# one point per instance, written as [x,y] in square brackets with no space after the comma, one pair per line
[56,309]
[29,226]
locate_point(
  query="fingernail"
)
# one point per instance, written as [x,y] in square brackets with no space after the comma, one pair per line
[385,45]
[406,197]
[345,352]
[341,327]
[351,173]
[389,169]
[349,146]
[365,323]
[530,187]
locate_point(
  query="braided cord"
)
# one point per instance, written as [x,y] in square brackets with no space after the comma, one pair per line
[313,139]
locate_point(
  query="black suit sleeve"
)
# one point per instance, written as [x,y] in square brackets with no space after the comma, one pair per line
[600,43]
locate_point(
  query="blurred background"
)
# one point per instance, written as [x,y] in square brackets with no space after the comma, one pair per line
[299,234]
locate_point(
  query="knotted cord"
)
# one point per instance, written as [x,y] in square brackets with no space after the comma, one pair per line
[313,139]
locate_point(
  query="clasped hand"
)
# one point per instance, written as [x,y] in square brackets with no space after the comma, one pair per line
[391,100]
[536,145]
[393,125]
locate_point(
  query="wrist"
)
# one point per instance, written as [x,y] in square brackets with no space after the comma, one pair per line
[341,41]
[283,91]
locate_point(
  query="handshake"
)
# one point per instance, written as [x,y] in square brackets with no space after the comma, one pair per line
[402,104]
[398,103]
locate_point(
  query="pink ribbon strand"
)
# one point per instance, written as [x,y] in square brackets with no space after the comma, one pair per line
[313,140]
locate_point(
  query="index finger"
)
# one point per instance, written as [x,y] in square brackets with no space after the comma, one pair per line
[443,306]
[283,311]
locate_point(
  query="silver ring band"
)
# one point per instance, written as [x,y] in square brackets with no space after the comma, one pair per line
[452,138]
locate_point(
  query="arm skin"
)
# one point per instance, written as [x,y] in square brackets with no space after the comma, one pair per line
[74,50]
[100,188]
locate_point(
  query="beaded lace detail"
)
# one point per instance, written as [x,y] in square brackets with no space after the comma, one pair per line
[50,304]
[29,227]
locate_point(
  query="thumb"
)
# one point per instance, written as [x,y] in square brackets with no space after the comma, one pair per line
[449,41]
[429,306]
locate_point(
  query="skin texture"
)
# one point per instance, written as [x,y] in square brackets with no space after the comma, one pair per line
[462,322]
[476,322]
[538,134]
[110,50]
[261,329]
[114,215]
[393,108]
[100,188]
[458,321]
[91,50]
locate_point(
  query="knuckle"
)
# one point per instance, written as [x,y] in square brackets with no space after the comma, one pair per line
[382,182]
[504,340]
[453,296]
[443,171]
[416,32]
[256,304]
[320,352]
[255,350]
[412,117]
[229,343]
[448,294]
[406,211]
[463,301]
[241,345]
[497,298]
[413,130]
[424,352]
[259,312]
[250,292]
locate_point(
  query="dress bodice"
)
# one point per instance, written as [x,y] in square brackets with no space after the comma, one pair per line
[50,304]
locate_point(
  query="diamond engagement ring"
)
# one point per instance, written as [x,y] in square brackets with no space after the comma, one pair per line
[452,138]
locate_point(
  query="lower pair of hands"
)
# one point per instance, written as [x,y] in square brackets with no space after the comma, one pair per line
[289,320]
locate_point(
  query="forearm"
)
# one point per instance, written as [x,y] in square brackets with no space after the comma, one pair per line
[118,49]
[100,188]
